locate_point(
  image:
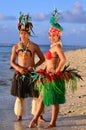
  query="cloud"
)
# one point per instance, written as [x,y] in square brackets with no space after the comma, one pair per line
[75,15]
[41,16]
[3,17]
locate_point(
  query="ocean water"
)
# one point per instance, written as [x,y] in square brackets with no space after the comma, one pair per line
[5,52]
[6,74]
[44,48]
[7,117]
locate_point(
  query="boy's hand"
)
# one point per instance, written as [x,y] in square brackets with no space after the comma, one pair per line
[23,71]
[30,68]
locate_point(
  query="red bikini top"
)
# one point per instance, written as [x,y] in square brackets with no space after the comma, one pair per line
[48,55]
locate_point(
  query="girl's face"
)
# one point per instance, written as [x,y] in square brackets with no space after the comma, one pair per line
[53,37]
[23,35]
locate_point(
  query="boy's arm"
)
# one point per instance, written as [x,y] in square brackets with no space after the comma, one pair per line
[13,58]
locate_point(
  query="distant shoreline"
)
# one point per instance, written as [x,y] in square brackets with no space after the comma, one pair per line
[6,48]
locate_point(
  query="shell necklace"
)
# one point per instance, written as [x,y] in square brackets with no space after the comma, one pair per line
[24,49]
[56,43]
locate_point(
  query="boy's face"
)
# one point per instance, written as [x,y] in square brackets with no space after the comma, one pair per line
[23,35]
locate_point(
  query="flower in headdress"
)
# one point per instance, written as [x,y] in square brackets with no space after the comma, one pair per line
[25,23]
[55,26]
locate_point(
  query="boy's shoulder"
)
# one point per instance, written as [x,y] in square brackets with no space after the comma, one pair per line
[34,44]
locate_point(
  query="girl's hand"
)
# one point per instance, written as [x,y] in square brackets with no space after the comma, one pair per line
[58,72]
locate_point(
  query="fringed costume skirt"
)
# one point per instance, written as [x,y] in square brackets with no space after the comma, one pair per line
[23,86]
[52,92]
[52,87]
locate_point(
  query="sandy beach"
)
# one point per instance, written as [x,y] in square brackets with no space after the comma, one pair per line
[72,115]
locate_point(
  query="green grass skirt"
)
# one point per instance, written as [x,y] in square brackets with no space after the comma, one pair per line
[52,92]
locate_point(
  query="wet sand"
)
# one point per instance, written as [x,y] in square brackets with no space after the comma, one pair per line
[72,115]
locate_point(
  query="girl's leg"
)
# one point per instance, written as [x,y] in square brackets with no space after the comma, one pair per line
[40,108]
[55,111]
[35,104]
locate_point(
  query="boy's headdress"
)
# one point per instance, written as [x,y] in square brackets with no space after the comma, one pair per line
[24,23]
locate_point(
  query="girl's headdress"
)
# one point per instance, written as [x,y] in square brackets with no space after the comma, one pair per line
[24,23]
[55,27]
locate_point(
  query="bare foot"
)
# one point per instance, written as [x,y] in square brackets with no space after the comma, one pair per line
[33,123]
[50,126]
[41,119]
[19,118]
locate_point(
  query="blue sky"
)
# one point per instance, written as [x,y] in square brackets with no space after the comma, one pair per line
[73,20]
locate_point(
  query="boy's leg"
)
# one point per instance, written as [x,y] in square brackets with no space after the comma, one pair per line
[34,106]
[19,107]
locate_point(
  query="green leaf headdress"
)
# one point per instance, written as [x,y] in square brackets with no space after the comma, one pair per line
[54,25]
[25,23]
